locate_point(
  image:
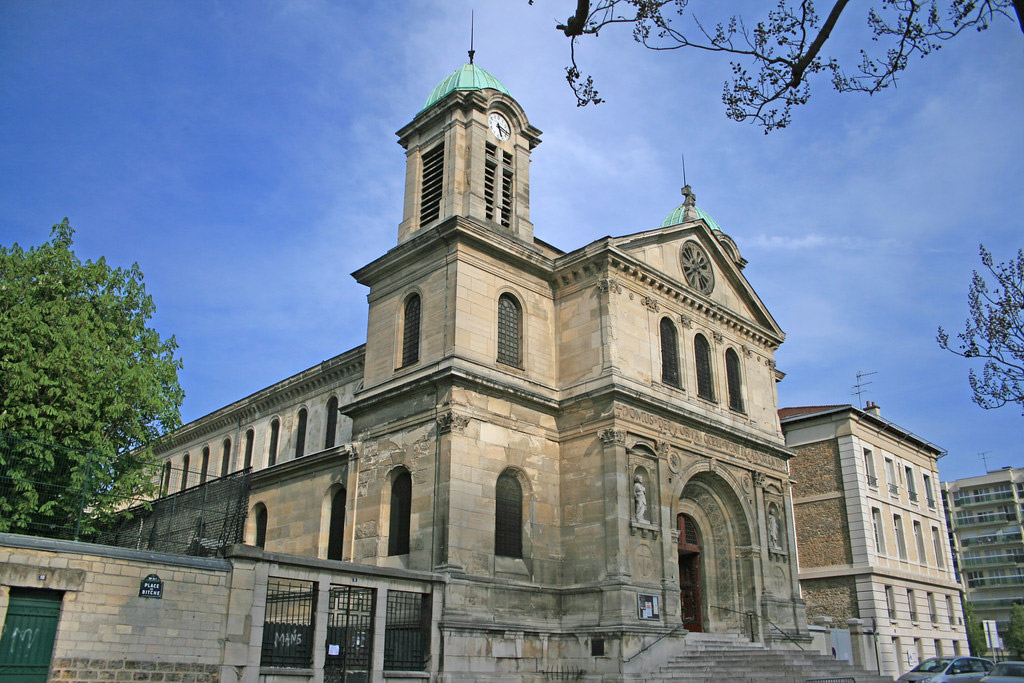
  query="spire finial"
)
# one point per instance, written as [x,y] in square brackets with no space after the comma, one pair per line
[471,50]
[689,198]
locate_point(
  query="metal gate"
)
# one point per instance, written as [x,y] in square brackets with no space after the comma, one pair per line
[349,635]
[26,644]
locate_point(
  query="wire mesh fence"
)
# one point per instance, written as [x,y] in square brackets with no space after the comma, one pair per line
[57,492]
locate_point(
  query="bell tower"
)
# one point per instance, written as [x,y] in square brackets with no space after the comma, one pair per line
[468,155]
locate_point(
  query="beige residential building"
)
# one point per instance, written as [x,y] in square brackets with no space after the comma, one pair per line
[985,518]
[871,533]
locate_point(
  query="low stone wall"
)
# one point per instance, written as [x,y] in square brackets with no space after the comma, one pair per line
[93,670]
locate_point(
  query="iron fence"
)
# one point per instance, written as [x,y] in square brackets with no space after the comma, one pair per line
[57,492]
[288,623]
[405,631]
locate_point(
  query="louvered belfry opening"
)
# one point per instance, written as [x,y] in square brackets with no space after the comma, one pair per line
[498,207]
[411,331]
[433,175]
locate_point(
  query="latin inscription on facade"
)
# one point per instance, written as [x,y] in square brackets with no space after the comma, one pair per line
[698,438]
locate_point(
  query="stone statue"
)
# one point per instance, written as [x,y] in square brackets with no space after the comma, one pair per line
[639,498]
[773,530]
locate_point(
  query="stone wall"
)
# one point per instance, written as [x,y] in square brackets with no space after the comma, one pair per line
[819,506]
[816,470]
[834,597]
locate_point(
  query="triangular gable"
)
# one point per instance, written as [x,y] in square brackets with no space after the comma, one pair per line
[660,250]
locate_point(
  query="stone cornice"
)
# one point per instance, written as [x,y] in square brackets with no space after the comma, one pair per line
[331,372]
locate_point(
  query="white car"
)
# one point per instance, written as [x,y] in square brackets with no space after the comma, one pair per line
[948,670]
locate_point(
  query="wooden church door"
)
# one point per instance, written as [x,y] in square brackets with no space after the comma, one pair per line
[689,573]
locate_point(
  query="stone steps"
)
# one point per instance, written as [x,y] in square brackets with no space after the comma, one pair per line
[730,658]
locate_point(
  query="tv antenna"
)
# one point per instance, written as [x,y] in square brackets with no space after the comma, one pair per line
[984,459]
[471,50]
[858,388]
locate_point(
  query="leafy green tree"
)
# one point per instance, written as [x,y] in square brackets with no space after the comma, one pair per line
[86,387]
[994,332]
[1014,637]
[777,56]
[975,633]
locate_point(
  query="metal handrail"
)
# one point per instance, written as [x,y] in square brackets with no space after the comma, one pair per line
[652,644]
[754,615]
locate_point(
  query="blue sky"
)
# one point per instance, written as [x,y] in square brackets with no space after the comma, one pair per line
[244,154]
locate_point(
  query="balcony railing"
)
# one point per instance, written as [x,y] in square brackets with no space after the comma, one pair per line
[913,496]
[994,539]
[992,518]
[894,490]
[995,581]
[983,498]
[931,502]
[872,481]
[994,560]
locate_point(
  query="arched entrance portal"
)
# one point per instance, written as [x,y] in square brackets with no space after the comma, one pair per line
[689,573]
[716,569]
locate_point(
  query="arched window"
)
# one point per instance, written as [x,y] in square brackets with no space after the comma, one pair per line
[411,330]
[336,535]
[669,353]
[401,510]
[702,357]
[205,466]
[332,422]
[510,323]
[250,436]
[225,459]
[300,434]
[165,482]
[261,525]
[184,472]
[275,432]
[508,516]
[732,375]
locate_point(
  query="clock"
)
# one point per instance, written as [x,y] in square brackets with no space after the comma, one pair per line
[697,268]
[500,127]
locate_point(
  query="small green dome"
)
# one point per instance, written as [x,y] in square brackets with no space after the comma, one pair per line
[466,77]
[678,216]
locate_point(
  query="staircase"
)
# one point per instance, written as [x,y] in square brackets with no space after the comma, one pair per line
[726,657]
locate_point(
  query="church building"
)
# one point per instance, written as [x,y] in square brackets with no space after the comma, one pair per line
[576,454]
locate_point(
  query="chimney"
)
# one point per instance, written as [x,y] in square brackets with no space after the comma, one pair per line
[872,409]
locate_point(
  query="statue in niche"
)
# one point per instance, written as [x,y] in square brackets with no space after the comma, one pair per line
[639,498]
[773,530]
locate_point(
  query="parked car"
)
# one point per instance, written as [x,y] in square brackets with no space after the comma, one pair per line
[948,670]
[1006,672]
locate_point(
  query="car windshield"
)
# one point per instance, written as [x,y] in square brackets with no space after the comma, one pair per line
[1012,669]
[931,666]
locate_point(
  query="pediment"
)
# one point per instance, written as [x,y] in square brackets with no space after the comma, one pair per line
[662,251]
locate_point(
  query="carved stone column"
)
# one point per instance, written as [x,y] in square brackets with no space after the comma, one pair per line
[617,503]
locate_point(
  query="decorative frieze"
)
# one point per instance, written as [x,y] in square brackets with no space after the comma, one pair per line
[650,303]
[717,336]
[609,284]
[612,437]
[685,321]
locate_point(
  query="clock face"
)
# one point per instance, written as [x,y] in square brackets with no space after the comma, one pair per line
[499,126]
[697,268]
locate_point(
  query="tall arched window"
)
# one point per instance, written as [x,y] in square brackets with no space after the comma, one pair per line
[300,434]
[510,323]
[205,466]
[225,458]
[332,422]
[702,357]
[165,482]
[508,516]
[732,375]
[411,330]
[184,472]
[275,432]
[250,436]
[401,510]
[336,535]
[669,353]
[261,525]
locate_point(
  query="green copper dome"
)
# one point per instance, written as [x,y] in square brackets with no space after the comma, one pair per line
[466,77]
[678,216]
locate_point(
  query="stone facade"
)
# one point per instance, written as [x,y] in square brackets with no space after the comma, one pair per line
[623,392]
[872,538]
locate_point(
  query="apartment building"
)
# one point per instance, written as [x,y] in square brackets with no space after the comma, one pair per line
[984,516]
[871,534]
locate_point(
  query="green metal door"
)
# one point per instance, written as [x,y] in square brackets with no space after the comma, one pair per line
[26,644]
